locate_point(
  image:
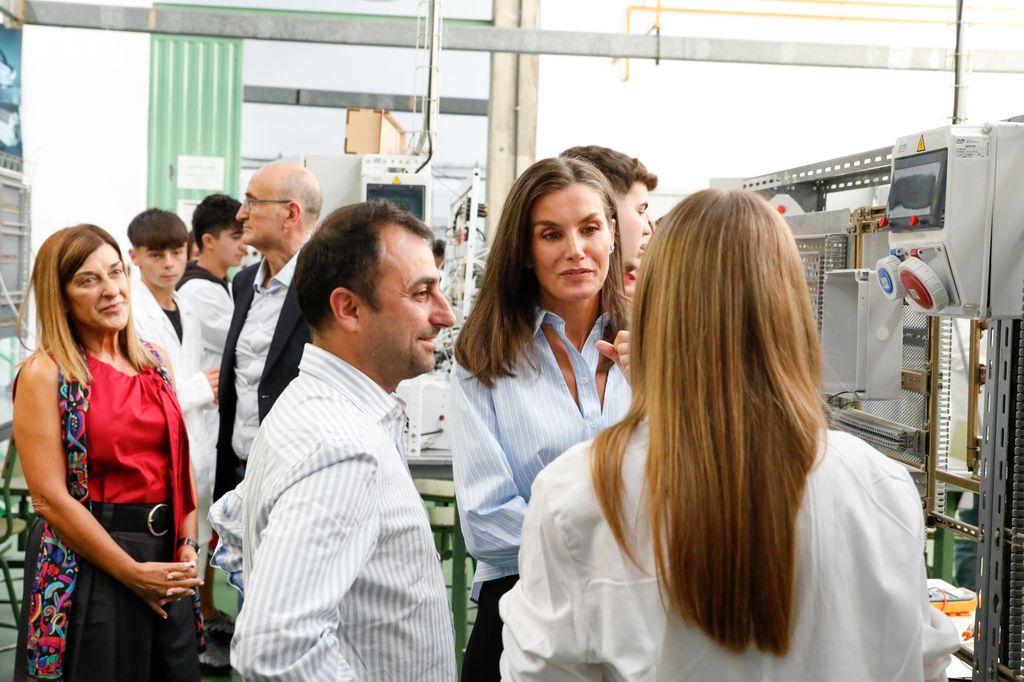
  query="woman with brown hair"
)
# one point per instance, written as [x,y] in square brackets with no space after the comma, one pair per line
[529,381]
[111,562]
[720,531]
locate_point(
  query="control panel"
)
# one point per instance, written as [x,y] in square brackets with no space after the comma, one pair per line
[955,218]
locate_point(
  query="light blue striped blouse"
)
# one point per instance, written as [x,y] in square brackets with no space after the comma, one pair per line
[504,436]
[342,579]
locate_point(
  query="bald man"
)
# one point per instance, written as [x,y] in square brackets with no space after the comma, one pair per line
[267,333]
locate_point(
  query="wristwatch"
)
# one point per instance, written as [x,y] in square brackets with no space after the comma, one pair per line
[190,542]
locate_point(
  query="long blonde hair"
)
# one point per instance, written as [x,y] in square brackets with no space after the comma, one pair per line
[59,258]
[726,371]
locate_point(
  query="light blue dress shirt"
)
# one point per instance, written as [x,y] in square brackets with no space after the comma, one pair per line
[504,436]
[252,350]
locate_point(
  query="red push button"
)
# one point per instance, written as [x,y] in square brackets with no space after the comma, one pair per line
[883,221]
[914,221]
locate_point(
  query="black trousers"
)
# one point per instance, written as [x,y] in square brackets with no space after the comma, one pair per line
[483,651]
[112,635]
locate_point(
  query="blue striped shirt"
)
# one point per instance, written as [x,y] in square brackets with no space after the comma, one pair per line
[504,436]
[342,579]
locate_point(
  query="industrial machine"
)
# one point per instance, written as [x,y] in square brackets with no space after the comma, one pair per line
[858,221]
[350,178]
[426,406]
[955,219]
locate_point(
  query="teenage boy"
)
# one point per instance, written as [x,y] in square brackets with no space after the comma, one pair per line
[205,290]
[159,241]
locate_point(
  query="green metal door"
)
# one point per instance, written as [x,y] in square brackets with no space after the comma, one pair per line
[195,119]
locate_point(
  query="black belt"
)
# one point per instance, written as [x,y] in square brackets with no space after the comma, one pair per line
[154,519]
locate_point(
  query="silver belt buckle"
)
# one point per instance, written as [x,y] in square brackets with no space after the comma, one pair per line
[149,521]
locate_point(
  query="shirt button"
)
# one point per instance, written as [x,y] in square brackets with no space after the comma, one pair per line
[584,381]
[593,425]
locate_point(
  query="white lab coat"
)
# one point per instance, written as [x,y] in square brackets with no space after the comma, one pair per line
[583,612]
[211,305]
[193,388]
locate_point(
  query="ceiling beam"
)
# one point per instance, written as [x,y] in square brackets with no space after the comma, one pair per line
[308,28]
[334,99]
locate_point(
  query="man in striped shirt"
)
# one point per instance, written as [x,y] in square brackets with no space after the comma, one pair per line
[341,577]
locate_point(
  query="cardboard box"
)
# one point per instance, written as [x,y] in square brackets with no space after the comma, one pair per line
[373,131]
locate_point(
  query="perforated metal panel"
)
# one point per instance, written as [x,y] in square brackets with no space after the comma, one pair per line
[821,254]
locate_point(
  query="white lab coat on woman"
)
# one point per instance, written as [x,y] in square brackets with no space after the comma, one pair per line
[193,388]
[582,611]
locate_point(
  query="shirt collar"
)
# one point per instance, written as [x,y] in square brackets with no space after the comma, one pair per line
[542,316]
[364,393]
[284,277]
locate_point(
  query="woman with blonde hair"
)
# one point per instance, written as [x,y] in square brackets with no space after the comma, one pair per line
[110,566]
[529,381]
[720,531]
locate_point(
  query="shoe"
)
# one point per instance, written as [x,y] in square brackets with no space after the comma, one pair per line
[220,627]
[213,663]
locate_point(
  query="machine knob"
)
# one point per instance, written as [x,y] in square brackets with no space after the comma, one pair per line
[925,291]
[888,276]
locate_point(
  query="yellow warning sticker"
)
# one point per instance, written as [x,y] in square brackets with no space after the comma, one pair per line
[396,181]
[920,144]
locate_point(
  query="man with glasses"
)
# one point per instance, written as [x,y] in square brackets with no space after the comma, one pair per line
[267,333]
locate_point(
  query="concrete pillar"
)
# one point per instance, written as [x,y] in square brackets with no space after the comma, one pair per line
[512,115]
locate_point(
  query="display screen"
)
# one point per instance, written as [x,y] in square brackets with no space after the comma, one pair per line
[917,195]
[407,197]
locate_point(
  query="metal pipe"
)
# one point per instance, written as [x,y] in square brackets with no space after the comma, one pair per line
[799,15]
[974,384]
[958,64]
[931,452]
[963,482]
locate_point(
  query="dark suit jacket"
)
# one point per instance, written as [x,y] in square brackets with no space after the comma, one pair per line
[290,336]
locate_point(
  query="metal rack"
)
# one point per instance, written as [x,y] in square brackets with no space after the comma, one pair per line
[15,242]
[809,185]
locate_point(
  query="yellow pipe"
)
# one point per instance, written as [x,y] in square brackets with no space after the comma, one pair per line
[658,9]
[910,5]
[862,3]
[825,17]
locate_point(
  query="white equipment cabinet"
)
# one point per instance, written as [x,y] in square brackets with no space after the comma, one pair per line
[350,178]
[861,337]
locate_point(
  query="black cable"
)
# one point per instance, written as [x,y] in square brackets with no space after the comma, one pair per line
[430,150]
[832,397]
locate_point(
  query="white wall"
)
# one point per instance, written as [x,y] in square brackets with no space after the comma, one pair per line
[84,113]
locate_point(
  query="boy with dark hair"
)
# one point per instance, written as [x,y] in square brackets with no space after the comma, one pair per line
[631,182]
[204,288]
[218,237]
[159,240]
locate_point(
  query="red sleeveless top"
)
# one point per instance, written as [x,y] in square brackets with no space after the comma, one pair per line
[136,439]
